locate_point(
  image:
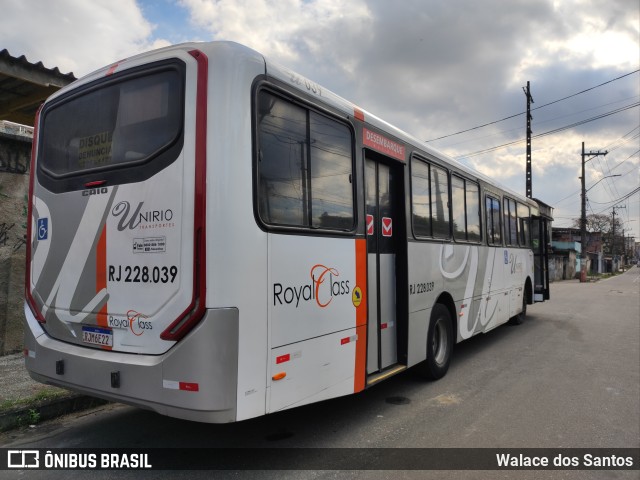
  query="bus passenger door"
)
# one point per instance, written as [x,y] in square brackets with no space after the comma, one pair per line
[385,232]
[540,235]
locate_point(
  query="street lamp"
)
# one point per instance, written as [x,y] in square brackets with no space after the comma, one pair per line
[608,176]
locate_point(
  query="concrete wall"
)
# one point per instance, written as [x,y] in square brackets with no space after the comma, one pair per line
[565,266]
[15,153]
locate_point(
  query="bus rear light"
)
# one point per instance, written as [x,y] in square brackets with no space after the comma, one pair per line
[196,310]
[183,325]
[27,284]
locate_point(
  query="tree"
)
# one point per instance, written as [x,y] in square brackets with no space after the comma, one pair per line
[602,223]
[599,222]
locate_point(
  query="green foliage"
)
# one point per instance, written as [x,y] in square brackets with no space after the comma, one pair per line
[35,400]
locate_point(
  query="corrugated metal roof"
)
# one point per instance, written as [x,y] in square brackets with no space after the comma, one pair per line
[25,85]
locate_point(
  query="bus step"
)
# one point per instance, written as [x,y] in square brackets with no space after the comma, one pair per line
[389,372]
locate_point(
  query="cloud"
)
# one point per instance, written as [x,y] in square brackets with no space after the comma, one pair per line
[431,68]
[434,68]
[290,31]
[75,35]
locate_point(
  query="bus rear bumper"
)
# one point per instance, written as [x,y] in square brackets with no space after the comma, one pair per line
[195,380]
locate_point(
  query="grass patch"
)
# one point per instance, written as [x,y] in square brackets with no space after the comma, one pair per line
[604,276]
[35,400]
[32,417]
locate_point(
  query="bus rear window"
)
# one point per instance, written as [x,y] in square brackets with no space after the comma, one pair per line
[119,121]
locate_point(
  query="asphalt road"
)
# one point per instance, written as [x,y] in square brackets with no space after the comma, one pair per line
[568,377]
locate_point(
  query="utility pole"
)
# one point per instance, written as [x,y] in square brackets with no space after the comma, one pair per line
[527,92]
[613,230]
[583,216]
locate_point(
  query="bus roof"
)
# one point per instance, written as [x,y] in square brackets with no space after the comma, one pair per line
[303,85]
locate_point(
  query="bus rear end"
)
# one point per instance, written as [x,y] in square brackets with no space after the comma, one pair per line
[115,287]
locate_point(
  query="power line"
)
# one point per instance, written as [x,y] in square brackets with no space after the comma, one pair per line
[543,122]
[551,132]
[537,108]
[582,122]
[620,200]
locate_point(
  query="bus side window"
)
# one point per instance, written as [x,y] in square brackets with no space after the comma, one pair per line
[524,222]
[494,234]
[430,200]
[472,192]
[420,195]
[510,228]
[305,167]
[465,209]
[440,202]
[458,208]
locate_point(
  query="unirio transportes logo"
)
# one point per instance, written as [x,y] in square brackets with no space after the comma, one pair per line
[324,287]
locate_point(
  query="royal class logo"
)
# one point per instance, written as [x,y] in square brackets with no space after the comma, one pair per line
[324,287]
[141,218]
[136,322]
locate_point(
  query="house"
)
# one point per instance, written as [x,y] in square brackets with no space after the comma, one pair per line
[567,245]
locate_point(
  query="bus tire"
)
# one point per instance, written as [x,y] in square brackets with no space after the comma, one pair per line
[519,318]
[439,343]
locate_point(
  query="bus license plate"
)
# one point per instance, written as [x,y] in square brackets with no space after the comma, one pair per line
[97,336]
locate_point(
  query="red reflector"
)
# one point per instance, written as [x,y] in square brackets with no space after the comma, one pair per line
[189,387]
[283,358]
[345,340]
[97,183]
[112,69]
[383,326]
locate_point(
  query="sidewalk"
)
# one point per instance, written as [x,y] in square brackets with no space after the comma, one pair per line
[23,401]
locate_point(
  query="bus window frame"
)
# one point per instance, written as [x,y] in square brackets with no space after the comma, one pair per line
[429,162]
[528,243]
[298,99]
[125,172]
[489,214]
[466,181]
[507,226]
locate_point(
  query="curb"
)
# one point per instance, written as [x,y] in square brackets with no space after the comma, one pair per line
[46,410]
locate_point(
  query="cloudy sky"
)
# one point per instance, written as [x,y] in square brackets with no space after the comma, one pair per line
[431,67]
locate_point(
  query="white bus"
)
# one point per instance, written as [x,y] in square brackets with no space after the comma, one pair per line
[214,237]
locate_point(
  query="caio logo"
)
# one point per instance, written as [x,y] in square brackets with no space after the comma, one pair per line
[324,287]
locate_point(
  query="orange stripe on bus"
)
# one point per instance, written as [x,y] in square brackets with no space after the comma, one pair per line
[101,274]
[361,317]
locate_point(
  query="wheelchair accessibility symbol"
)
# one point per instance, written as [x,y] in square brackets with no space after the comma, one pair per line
[43,228]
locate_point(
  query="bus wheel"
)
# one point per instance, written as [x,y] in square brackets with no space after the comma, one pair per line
[519,318]
[439,343]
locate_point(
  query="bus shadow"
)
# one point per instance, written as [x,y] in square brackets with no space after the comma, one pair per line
[319,424]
